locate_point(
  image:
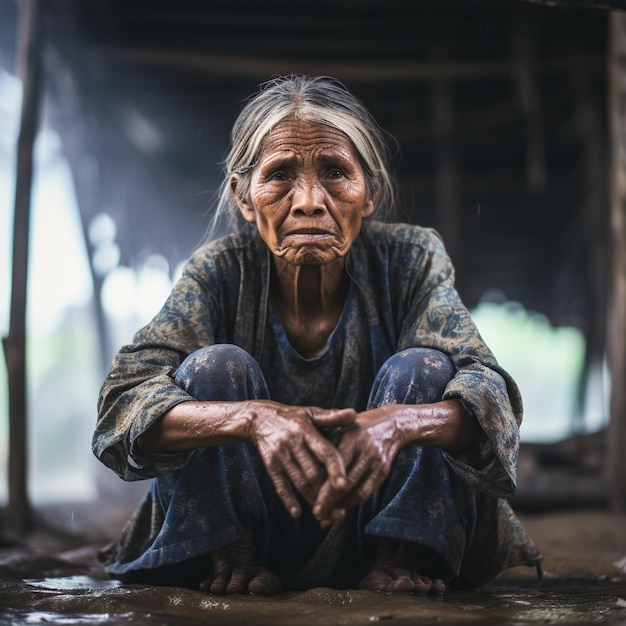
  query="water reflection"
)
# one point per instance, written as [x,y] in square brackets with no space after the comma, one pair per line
[87,600]
[73,582]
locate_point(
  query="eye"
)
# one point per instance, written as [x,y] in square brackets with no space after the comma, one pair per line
[278,176]
[335,174]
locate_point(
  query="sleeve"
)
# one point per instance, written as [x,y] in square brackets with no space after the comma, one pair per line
[437,318]
[140,386]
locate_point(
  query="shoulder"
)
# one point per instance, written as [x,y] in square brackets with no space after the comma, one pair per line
[226,253]
[404,241]
[400,233]
[228,244]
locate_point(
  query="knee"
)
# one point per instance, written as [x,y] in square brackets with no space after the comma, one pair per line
[415,376]
[220,372]
[216,357]
[432,363]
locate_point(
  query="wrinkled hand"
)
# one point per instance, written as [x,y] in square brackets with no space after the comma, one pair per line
[297,456]
[368,449]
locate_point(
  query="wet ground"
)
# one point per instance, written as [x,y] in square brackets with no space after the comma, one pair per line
[52,580]
[80,600]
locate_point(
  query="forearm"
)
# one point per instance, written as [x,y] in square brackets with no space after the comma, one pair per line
[444,424]
[194,424]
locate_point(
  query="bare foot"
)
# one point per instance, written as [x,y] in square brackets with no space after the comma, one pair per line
[393,570]
[235,571]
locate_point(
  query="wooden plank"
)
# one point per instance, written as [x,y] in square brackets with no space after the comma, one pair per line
[19,515]
[616,444]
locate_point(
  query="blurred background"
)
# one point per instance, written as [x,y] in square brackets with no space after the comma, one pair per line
[501,114]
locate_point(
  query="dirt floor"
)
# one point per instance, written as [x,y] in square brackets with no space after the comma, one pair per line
[54,578]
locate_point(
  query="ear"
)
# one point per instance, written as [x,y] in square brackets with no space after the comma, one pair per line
[368,208]
[370,203]
[245,208]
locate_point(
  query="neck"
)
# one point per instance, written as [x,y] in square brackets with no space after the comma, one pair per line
[305,291]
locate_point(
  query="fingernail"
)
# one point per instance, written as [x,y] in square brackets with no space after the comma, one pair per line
[340,482]
[317,510]
[294,511]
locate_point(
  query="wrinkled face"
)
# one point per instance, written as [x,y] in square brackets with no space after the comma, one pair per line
[307,193]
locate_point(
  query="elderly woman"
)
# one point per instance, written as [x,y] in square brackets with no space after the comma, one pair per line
[313,403]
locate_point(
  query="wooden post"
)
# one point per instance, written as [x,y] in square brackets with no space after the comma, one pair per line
[19,514]
[616,443]
[525,42]
[446,177]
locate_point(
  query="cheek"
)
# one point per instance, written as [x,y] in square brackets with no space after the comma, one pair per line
[351,221]
[267,229]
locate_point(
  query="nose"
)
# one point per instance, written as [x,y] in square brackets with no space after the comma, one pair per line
[308,199]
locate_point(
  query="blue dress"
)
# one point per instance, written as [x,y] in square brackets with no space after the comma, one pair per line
[401,298]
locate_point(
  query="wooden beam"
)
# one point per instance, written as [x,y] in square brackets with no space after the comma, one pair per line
[595,5]
[396,70]
[19,515]
[616,443]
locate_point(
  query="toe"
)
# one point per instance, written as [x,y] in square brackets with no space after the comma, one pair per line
[376,580]
[238,581]
[400,580]
[265,583]
[214,585]
[422,584]
[438,586]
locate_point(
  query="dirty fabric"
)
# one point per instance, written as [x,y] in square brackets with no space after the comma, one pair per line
[402,296]
[422,501]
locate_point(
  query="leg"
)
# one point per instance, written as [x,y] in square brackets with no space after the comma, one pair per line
[208,509]
[232,371]
[415,515]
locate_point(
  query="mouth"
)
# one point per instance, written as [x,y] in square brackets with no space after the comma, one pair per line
[303,237]
[314,232]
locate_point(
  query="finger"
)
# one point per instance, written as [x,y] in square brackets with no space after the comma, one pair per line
[334,418]
[330,502]
[308,474]
[303,475]
[329,507]
[330,497]
[365,488]
[329,457]
[285,492]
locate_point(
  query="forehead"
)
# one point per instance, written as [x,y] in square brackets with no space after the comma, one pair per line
[303,136]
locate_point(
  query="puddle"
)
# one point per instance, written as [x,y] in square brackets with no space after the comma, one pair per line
[81,600]
[26,618]
[72,582]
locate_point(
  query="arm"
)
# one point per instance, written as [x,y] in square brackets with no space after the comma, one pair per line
[435,317]
[369,448]
[477,422]
[140,386]
[297,457]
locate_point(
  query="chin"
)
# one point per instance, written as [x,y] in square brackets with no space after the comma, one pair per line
[311,257]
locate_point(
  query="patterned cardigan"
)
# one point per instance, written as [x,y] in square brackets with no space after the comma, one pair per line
[405,284]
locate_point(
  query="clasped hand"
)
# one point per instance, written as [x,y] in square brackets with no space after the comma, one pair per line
[332,473]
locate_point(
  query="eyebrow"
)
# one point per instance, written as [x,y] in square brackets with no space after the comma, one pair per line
[329,156]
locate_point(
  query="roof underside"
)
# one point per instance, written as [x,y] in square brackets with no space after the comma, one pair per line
[499,110]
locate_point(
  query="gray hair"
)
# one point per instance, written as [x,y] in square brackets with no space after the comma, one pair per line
[319,99]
